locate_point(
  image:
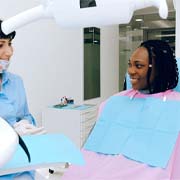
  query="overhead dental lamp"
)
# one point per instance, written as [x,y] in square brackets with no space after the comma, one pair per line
[83,13]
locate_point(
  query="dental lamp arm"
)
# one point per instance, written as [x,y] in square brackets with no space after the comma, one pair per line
[24,18]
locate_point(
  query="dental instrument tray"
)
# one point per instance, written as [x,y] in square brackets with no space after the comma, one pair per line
[73,106]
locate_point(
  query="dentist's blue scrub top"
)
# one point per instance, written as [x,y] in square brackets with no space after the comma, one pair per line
[13,103]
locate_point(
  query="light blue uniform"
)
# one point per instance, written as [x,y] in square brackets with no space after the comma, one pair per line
[13,104]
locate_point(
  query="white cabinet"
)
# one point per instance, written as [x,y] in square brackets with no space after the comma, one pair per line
[74,121]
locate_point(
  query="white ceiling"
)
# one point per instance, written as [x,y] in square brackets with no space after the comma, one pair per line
[152,19]
[152,10]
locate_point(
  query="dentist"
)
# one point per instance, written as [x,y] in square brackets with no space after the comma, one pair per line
[13,103]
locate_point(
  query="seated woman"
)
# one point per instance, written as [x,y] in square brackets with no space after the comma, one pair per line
[136,135]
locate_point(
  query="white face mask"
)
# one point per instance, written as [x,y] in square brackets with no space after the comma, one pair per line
[4,64]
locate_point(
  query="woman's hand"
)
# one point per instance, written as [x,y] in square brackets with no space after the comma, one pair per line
[23,127]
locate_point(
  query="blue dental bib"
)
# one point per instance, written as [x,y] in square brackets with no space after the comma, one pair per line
[143,129]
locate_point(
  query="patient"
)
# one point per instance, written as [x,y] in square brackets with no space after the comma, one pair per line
[129,150]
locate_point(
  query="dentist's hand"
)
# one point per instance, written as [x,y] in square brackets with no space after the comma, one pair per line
[23,127]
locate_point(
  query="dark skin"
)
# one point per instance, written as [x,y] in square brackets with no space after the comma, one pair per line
[138,66]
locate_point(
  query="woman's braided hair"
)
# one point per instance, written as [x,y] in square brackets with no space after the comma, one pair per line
[165,65]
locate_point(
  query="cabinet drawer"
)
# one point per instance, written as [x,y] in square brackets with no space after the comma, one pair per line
[86,131]
[88,123]
[89,117]
[87,128]
[89,113]
[84,137]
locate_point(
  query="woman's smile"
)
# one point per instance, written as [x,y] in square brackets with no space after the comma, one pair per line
[134,80]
